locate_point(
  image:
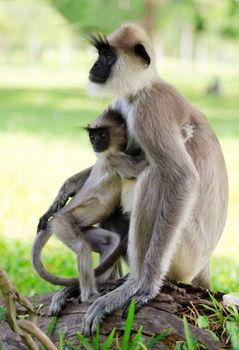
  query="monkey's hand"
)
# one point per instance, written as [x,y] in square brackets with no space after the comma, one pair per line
[69,188]
[128,166]
[58,203]
[106,304]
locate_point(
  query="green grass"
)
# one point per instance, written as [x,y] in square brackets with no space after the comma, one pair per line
[222,322]
[42,143]
[130,340]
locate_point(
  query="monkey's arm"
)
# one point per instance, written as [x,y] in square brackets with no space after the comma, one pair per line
[165,194]
[128,166]
[69,188]
[162,210]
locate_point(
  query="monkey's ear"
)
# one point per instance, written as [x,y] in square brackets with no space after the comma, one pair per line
[140,51]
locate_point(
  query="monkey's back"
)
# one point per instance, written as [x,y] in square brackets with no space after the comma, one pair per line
[206,151]
[209,215]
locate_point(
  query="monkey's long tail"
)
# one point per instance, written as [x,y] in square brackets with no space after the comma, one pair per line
[41,240]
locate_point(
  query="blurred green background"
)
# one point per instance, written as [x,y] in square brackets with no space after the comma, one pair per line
[44,64]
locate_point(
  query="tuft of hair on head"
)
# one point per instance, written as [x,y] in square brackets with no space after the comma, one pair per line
[86,128]
[108,118]
[128,34]
[115,117]
[99,41]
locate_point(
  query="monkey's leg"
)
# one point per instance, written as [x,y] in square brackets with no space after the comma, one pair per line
[104,242]
[71,235]
[68,226]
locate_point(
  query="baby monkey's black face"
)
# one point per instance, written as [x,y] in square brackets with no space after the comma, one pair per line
[99,138]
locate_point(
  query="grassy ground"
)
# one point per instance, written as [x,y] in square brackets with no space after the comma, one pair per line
[42,143]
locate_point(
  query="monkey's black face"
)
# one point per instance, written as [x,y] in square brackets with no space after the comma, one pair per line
[100,71]
[100,139]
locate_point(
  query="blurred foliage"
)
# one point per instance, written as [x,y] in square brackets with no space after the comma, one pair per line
[37,25]
[27,20]
[204,15]
[101,15]
[231,24]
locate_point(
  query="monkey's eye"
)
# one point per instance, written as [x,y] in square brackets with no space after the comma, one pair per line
[103,136]
[92,137]
[109,56]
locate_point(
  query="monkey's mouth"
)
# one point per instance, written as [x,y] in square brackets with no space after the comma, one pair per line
[96,79]
[99,149]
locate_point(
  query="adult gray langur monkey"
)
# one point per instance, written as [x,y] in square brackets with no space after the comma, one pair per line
[180,201]
[109,186]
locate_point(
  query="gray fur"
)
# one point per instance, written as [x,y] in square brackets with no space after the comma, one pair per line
[180,203]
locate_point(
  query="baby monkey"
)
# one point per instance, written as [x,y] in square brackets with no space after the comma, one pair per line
[110,186]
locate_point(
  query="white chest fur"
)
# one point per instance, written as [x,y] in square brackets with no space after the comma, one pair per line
[127,195]
[127,110]
[128,186]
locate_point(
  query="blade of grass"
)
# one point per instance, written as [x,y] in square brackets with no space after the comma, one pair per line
[61,343]
[188,334]
[109,340]
[209,308]
[157,338]
[51,325]
[118,347]
[84,341]
[141,346]
[96,338]
[71,345]
[215,302]
[137,338]
[128,325]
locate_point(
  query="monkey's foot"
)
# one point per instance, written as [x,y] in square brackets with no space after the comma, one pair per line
[57,304]
[60,298]
[141,298]
[88,296]
[105,305]
[93,316]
